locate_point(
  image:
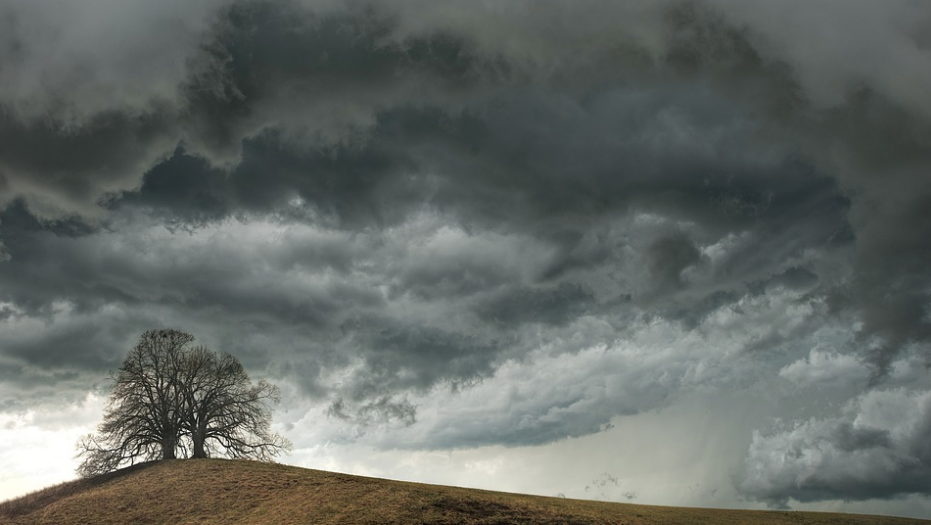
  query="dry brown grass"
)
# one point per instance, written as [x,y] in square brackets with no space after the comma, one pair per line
[229,492]
[41,498]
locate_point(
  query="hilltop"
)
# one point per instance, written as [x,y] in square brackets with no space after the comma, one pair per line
[230,492]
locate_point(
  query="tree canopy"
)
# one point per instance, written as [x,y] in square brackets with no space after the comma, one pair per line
[170,399]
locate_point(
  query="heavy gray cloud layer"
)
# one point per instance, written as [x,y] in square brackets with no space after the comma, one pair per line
[382,202]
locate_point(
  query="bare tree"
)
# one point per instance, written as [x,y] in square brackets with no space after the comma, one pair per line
[168,400]
[143,417]
[226,413]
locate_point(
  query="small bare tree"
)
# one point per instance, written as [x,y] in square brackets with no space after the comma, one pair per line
[168,400]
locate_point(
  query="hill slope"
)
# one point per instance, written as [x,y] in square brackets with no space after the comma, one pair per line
[221,491]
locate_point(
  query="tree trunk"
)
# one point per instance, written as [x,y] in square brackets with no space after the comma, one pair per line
[199,450]
[199,437]
[168,449]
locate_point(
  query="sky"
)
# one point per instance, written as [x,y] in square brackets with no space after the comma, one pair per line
[671,251]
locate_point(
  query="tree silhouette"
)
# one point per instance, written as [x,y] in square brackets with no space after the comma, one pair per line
[170,400]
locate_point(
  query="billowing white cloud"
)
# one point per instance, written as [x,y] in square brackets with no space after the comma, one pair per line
[825,366]
[877,448]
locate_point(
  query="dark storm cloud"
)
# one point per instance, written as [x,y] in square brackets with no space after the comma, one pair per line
[206,273]
[381,411]
[892,266]
[187,188]
[795,278]
[553,306]
[256,69]
[869,129]
[44,363]
[257,64]
[62,170]
[319,76]
[590,160]
[402,357]
[550,162]
[667,257]
[88,102]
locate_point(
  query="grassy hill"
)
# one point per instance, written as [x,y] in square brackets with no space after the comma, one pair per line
[227,492]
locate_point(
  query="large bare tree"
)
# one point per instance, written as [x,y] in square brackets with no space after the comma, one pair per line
[170,400]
